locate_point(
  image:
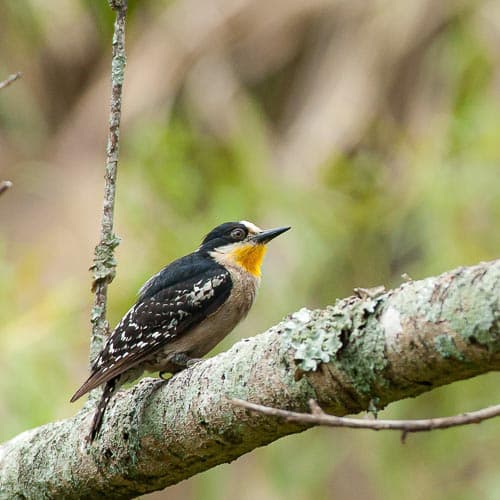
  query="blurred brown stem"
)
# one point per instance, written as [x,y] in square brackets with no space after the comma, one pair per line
[104,266]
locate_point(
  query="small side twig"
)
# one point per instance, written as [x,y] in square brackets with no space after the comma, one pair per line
[104,265]
[319,417]
[4,185]
[10,79]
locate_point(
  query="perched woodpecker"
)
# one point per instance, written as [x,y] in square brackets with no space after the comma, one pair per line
[183,311]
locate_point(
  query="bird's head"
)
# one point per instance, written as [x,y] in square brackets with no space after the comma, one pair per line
[241,243]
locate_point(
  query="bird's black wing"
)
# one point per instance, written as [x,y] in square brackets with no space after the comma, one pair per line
[184,269]
[167,307]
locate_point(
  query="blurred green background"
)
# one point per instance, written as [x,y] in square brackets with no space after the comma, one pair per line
[371,127]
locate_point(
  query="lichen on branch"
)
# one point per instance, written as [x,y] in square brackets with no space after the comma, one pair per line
[104,266]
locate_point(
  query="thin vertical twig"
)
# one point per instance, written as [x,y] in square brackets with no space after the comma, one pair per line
[104,264]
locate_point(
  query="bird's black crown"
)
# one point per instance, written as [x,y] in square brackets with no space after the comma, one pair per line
[224,234]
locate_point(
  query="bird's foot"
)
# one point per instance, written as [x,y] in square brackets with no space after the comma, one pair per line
[182,360]
[178,362]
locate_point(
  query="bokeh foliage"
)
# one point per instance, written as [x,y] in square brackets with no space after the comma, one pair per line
[371,129]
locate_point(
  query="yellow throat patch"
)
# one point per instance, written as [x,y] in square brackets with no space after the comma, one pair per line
[250,257]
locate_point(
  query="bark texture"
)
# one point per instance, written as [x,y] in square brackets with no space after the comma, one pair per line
[362,353]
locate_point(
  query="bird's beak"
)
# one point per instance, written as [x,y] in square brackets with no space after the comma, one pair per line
[266,236]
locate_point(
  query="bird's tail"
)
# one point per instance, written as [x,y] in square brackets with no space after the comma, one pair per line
[110,387]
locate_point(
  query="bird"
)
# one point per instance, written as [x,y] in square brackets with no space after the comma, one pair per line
[182,312]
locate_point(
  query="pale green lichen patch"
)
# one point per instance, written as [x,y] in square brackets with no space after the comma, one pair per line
[347,335]
[104,266]
[363,355]
[118,69]
[314,337]
[446,347]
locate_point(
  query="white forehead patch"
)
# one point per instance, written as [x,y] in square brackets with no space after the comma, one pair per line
[252,228]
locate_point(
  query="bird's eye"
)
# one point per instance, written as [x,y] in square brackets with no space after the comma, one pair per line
[238,234]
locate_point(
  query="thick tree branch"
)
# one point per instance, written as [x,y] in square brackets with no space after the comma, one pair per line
[104,266]
[362,353]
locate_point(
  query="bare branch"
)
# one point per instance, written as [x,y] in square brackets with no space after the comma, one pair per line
[11,79]
[319,417]
[104,266]
[4,185]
